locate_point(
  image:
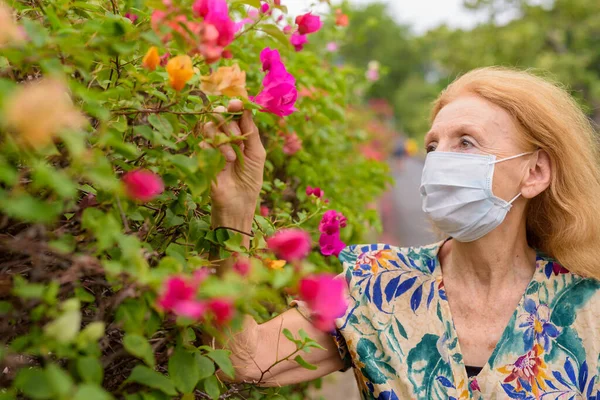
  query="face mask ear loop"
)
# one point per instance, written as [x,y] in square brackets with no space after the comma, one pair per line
[509,204]
[512,157]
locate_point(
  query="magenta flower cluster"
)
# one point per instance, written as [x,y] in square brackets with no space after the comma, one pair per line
[279,92]
[330,226]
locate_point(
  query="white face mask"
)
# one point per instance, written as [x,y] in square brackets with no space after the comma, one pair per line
[456,190]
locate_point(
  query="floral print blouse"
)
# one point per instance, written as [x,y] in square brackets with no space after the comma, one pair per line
[398,334]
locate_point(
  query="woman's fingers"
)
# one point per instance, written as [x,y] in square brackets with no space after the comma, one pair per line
[210,132]
[250,131]
[235,105]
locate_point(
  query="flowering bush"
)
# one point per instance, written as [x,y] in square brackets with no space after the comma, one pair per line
[108,279]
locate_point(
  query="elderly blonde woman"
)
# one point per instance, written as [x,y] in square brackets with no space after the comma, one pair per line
[508,306]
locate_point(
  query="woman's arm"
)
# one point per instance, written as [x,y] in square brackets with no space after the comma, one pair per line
[259,352]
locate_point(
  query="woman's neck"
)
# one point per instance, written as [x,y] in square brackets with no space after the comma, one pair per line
[497,260]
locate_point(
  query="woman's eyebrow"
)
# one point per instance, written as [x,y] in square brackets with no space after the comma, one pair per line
[468,129]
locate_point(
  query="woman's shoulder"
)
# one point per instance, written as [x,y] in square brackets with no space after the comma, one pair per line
[372,259]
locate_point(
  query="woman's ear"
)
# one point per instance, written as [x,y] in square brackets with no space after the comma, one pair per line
[539,175]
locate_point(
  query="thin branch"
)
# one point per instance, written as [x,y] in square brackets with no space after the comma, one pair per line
[123,217]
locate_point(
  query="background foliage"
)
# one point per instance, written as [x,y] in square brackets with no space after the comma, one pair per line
[559,39]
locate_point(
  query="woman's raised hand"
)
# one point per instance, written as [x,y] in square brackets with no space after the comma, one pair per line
[237,188]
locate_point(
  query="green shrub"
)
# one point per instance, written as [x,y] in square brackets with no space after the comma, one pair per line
[82,264]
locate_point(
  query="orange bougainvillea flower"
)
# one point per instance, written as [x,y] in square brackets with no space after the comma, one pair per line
[180,71]
[38,111]
[10,32]
[274,264]
[228,81]
[151,59]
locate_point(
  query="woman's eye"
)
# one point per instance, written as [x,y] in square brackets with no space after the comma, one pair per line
[465,144]
[430,148]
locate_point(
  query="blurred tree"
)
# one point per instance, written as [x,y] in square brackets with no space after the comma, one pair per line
[373,34]
[562,38]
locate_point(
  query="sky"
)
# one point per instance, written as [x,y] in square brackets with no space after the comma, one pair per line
[422,15]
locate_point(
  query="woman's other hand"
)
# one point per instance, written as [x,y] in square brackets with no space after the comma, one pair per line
[237,188]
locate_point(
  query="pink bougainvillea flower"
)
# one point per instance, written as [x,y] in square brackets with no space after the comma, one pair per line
[193,309]
[177,289]
[332,47]
[276,71]
[264,211]
[218,29]
[279,93]
[242,267]
[326,297]
[132,17]
[308,23]
[372,75]
[292,144]
[202,8]
[199,276]
[240,24]
[225,26]
[287,29]
[142,185]
[331,244]
[317,192]
[269,58]
[164,59]
[290,244]
[298,41]
[253,13]
[179,294]
[222,309]
[331,222]
[264,8]
[278,75]
[278,98]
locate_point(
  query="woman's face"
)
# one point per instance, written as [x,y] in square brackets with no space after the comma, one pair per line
[471,124]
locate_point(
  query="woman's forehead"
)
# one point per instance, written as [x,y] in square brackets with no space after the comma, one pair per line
[475,114]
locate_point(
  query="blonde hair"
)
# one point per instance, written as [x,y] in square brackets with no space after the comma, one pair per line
[564,220]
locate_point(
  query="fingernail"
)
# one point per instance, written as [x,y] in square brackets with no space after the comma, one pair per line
[230,155]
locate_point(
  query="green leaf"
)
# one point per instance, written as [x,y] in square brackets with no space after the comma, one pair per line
[27,208]
[33,383]
[146,376]
[90,370]
[132,314]
[138,346]
[211,387]
[27,290]
[234,242]
[92,332]
[206,367]
[84,296]
[64,328]
[161,124]
[290,336]
[61,382]
[221,357]
[302,362]
[91,392]
[251,3]
[183,370]
[275,32]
